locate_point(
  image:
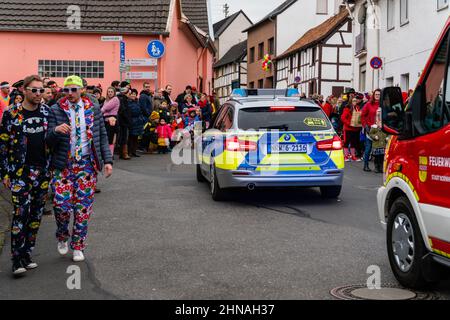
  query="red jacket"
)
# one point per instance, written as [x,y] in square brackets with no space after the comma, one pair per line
[346,119]
[327,108]
[369,114]
[164,131]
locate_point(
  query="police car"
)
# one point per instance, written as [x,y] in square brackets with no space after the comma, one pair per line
[270,138]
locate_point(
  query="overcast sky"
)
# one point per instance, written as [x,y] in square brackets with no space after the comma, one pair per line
[254,9]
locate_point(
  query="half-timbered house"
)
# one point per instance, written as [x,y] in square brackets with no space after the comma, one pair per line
[230,72]
[321,60]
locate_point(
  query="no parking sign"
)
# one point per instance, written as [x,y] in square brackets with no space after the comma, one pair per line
[376,63]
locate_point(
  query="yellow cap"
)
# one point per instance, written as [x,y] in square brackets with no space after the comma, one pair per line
[73,81]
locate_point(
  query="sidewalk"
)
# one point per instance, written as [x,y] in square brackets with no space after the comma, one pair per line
[5,211]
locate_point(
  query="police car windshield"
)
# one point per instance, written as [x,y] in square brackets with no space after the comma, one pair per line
[283,119]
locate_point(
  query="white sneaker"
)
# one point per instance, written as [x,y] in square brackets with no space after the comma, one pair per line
[78,256]
[63,248]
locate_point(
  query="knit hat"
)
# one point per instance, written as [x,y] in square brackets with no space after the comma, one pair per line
[73,81]
[154,116]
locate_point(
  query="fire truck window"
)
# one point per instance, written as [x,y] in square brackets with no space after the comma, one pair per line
[433,110]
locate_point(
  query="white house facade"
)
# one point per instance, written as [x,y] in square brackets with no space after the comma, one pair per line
[402,33]
[228,32]
[320,62]
[300,17]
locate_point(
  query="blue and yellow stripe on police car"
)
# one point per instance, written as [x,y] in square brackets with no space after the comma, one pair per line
[262,162]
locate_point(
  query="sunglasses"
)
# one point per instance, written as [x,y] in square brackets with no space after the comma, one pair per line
[36,90]
[71,90]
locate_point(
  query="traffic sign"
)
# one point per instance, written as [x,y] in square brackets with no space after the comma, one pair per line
[124,68]
[156,49]
[144,62]
[142,75]
[376,63]
[297,79]
[122,51]
[112,38]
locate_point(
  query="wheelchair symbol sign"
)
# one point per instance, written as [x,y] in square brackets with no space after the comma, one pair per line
[156,49]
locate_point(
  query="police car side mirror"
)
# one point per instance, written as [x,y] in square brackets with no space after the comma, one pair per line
[393,110]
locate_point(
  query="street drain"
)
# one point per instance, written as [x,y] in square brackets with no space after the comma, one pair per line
[387,292]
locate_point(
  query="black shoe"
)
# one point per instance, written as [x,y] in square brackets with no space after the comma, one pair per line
[97,190]
[28,263]
[367,168]
[17,268]
[136,155]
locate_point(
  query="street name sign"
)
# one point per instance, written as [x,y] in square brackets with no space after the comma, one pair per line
[144,62]
[142,75]
[112,38]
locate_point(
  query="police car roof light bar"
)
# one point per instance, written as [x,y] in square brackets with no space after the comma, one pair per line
[245,93]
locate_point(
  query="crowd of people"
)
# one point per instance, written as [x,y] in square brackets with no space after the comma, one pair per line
[144,121]
[356,117]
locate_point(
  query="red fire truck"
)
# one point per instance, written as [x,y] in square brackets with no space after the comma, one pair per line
[414,203]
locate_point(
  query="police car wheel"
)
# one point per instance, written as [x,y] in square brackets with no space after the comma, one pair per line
[331,192]
[200,177]
[405,245]
[217,193]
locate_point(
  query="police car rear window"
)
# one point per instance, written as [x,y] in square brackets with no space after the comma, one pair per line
[283,119]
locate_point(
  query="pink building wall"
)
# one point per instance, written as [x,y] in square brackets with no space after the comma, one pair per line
[21,51]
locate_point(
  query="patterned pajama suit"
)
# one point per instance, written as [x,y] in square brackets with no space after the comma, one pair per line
[74,189]
[29,193]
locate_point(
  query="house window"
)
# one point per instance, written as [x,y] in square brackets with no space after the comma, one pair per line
[66,68]
[299,61]
[404,12]
[261,51]
[390,82]
[251,85]
[390,14]
[261,83]
[252,55]
[404,82]
[322,7]
[442,4]
[313,56]
[271,46]
[291,63]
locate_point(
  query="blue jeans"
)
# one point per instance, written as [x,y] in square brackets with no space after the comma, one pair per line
[367,151]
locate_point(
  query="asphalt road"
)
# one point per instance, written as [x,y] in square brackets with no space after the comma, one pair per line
[157,234]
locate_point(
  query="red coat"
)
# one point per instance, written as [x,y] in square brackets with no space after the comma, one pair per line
[369,114]
[346,119]
[327,108]
[164,131]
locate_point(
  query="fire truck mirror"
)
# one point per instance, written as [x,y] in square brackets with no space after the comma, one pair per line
[393,110]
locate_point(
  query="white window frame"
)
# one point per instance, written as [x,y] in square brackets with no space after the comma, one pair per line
[89,69]
[442,4]
[390,12]
[404,5]
[322,7]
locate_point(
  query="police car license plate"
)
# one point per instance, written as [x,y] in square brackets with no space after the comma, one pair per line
[289,148]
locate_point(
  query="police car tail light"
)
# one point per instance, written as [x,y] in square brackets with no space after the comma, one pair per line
[329,145]
[275,109]
[234,144]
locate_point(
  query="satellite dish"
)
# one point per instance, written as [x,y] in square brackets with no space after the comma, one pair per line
[362,15]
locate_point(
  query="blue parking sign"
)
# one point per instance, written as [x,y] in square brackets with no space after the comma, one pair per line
[122,51]
[156,49]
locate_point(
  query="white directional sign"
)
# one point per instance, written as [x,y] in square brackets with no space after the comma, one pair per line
[112,38]
[144,62]
[142,75]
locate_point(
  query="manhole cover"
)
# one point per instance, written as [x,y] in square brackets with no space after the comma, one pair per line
[387,292]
